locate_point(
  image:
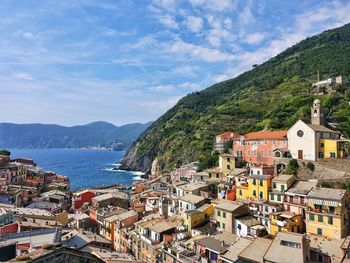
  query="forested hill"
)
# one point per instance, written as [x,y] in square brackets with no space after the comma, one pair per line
[56,136]
[273,95]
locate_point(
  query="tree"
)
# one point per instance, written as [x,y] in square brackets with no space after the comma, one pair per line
[5,152]
[292,167]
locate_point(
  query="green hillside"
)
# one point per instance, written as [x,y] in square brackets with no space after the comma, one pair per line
[272,95]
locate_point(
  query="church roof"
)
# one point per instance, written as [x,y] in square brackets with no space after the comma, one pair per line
[321,128]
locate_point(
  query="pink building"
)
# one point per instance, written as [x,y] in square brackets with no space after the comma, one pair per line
[223,139]
[296,197]
[121,227]
[258,147]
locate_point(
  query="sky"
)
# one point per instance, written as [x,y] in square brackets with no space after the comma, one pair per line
[72,62]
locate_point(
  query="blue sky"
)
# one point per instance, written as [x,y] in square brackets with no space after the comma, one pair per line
[73,62]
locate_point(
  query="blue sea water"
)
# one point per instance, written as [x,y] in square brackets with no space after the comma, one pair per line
[85,168]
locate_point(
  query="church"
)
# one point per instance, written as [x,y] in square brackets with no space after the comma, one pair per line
[315,141]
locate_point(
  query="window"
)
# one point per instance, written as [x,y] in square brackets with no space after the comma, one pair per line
[223,225]
[261,195]
[274,185]
[319,231]
[224,214]
[209,175]
[330,220]
[262,153]
[217,175]
[228,159]
[273,142]
[266,209]
[258,172]
[240,192]
[283,188]
[320,218]
[254,192]
[254,152]
[187,206]
[254,181]
[279,228]
[290,244]
[300,133]
[278,198]
[218,224]
[272,197]
[270,153]
[228,166]
[322,145]
[248,152]
[331,209]
[261,182]
[311,217]
[219,213]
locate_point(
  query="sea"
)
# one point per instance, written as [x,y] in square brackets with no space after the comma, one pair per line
[85,168]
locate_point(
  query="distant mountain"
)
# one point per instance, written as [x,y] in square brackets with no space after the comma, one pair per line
[272,95]
[55,136]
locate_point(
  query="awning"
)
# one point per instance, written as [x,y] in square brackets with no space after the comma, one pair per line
[331,203]
[315,201]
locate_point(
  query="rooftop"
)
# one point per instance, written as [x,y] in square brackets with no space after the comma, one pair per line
[256,250]
[192,186]
[164,226]
[328,247]
[192,199]
[261,176]
[31,211]
[229,206]
[121,216]
[212,244]
[261,135]
[327,193]
[236,248]
[284,178]
[249,221]
[301,187]
[111,195]
[321,128]
[278,252]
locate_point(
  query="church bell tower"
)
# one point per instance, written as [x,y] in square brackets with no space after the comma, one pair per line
[316,113]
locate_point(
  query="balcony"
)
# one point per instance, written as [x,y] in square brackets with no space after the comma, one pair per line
[148,240]
[281,223]
[323,211]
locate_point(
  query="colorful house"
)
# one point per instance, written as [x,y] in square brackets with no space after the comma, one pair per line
[223,140]
[285,221]
[258,147]
[79,198]
[196,217]
[257,188]
[226,212]
[328,212]
[296,197]
[280,184]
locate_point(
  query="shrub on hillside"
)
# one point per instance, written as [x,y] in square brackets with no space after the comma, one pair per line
[310,166]
[292,167]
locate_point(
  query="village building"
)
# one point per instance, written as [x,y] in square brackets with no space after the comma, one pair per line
[258,147]
[288,248]
[280,184]
[247,225]
[256,187]
[223,140]
[226,212]
[285,221]
[190,202]
[255,251]
[327,214]
[315,141]
[197,217]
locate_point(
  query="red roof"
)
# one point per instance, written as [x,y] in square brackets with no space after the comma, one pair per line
[261,135]
[228,135]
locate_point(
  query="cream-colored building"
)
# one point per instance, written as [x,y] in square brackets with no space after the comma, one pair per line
[305,140]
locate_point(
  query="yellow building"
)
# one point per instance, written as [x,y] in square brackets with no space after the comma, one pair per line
[196,217]
[328,212]
[257,188]
[280,184]
[226,163]
[332,148]
[285,222]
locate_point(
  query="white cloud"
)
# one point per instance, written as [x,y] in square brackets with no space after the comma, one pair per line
[216,6]
[246,16]
[199,52]
[254,39]
[168,21]
[28,35]
[23,76]
[159,105]
[194,24]
[217,34]
[162,88]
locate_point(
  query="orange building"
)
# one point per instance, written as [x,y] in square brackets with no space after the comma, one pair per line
[258,147]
